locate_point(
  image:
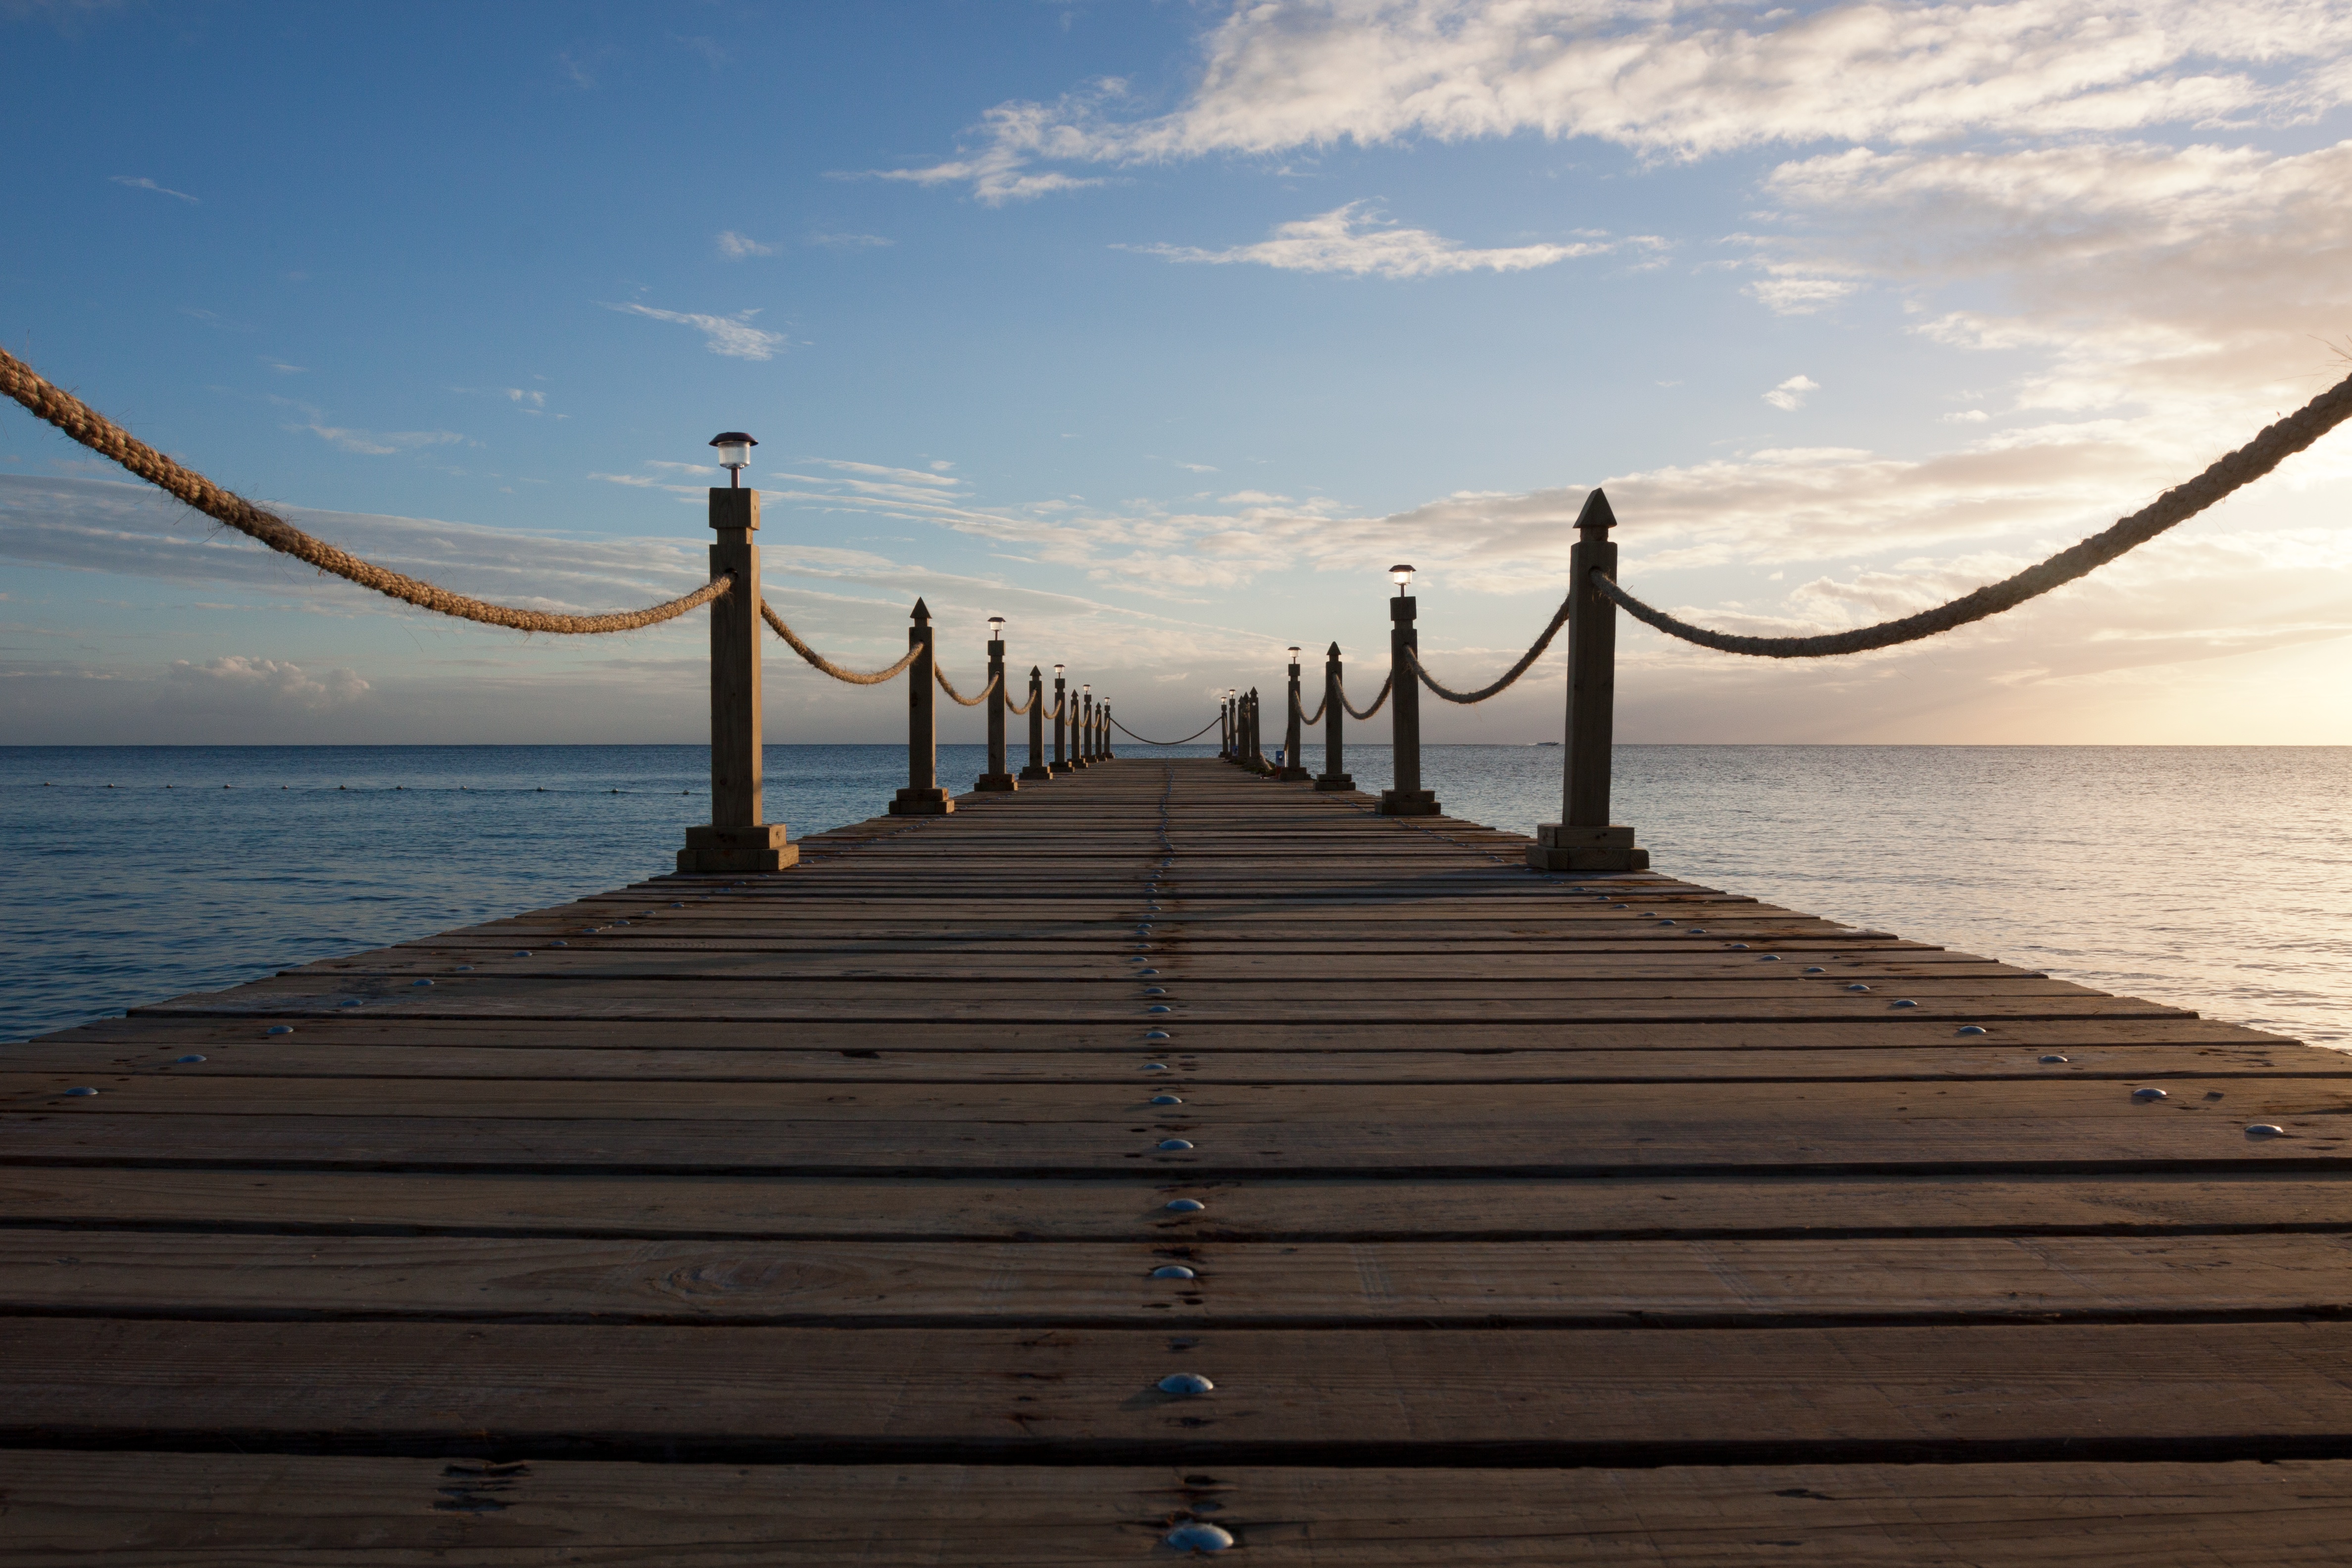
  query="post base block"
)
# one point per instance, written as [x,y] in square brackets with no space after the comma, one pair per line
[934,802]
[1034,772]
[997,784]
[1335,781]
[1293,775]
[1560,847]
[737,850]
[1408,802]
[1078,765]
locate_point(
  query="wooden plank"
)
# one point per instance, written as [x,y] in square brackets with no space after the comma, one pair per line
[282,1511]
[902,1283]
[593,1202]
[1444,1396]
[245,1057]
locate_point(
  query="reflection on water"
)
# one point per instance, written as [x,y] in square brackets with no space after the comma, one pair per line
[2212,877]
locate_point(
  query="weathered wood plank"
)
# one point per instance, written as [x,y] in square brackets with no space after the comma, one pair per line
[281,1511]
[1516,1396]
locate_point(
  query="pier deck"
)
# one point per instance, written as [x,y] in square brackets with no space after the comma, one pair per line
[813,1218]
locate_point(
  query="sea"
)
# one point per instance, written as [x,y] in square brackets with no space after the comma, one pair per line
[2218,878]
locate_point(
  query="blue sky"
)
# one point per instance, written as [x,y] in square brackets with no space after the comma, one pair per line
[1162,329]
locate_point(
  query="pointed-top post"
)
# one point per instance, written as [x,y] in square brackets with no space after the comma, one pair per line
[1292,768]
[1334,714]
[998,779]
[1036,770]
[1584,839]
[922,797]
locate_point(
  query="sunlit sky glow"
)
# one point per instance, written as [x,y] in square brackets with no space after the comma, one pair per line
[1162,330]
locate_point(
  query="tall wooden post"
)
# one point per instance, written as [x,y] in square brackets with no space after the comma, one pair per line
[1224,729]
[998,779]
[1108,754]
[1334,776]
[1254,726]
[1408,798]
[922,797]
[1036,768]
[1293,769]
[1584,839]
[1081,719]
[1061,722]
[735,839]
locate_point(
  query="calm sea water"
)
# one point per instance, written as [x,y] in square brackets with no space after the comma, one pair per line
[2218,878]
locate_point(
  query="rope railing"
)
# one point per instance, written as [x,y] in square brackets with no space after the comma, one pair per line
[1021,711]
[2277,442]
[110,440]
[1308,721]
[1146,740]
[949,687]
[818,661]
[1527,661]
[1386,687]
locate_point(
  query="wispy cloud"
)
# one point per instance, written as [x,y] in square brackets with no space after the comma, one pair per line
[733,336]
[140,182]
[850,241]
[736,247]
[379,443]
[1789,396]
[1351,239]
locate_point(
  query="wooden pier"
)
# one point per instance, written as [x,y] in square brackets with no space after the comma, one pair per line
[842,1216]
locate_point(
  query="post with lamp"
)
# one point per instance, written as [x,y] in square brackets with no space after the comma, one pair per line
[922,797]
[1292,770]
[735,839]
[1036,769]
[1232,725]
[1224,729]
[1408,798]
[1081,713]
[1108,754]
[1584,839]
[1061,722]
[1335,713]
[1254,727]
[998,779]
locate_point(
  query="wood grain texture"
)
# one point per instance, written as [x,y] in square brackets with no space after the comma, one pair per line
[726,1219]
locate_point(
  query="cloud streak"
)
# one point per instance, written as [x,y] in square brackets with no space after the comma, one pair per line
[733,337]
[1353,240]
[140,182]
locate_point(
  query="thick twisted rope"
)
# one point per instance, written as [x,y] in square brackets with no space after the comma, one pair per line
[2241,468]
[103,436]
[1146,741]
[1024,710]
[947,686]
[1559,619]
[1365,713]
[1308,721]
[817,660]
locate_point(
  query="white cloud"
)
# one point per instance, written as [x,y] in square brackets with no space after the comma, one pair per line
[736,247]
[1348,239]
[1678,82]
[851,241]
[142,184]
[379,443]
[1789,396]
[235,682]
[733,336]
[1798,296]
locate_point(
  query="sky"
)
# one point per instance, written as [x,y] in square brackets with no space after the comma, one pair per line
[1163,330]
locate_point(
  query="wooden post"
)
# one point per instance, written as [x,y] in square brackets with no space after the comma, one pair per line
[922,797]
[1256,727]
[1036,768]
[1081,719]
[1584,839]
[1334,776]
[736,839]
[998,779]
[1225,730]
[1293,769]
[1061,723]
[1108,755]
[1408,798]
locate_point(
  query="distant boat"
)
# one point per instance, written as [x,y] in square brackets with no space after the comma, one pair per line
[1547,742]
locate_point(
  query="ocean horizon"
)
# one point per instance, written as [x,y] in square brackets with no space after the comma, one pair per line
[2215,878]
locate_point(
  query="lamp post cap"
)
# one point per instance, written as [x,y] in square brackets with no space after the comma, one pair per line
[732,439]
